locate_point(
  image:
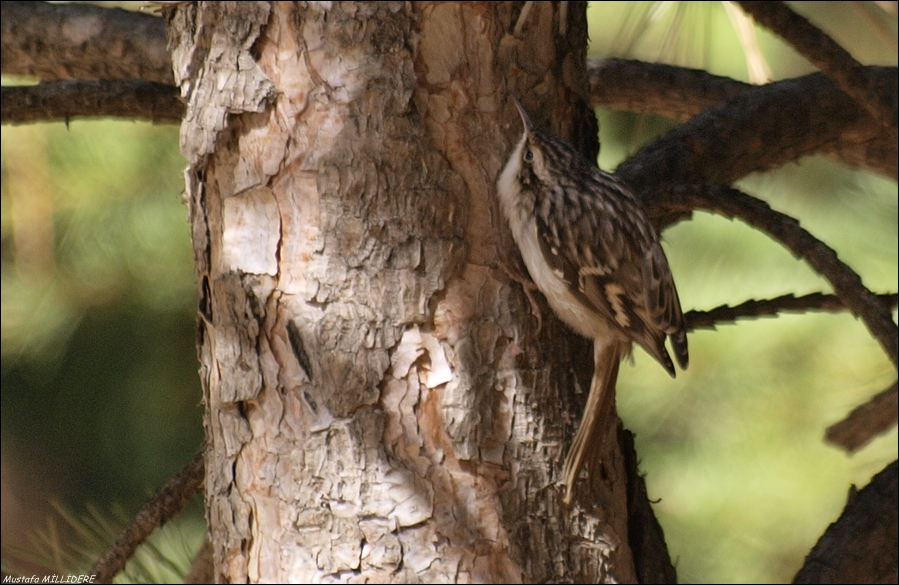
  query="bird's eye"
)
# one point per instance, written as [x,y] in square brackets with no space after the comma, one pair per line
[528,156]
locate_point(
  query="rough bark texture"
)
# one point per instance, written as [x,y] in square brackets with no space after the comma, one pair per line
[744,122]
[62,101]
[80,41]
[860,547]
[380,406]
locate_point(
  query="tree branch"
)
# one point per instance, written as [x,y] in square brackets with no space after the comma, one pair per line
[847,284]
[860,547]
[80,41]
[773,307]
[652,561]
[829,57]
[162,507]
[38,41]
[679,93]
[61,101]
[761,129]
[865,422]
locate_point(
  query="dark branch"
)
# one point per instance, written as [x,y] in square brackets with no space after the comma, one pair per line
[202,569]
[877,154]
[829,57]
[679,93]
[846,283]
[80,41]
[161,508]
[61,101]
[772,308]
[865,422]
[876,416]
[763,128]
[652,561]
[860,547]
[651,88]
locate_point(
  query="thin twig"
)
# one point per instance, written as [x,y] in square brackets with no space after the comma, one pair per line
[773,307]
[161,508]
[731,203]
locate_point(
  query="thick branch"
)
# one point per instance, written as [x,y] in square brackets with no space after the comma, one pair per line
[876,154]
[679,93]
[652,88]
[161,508]
[757,130]
[761,129]
[80,41]
[829,57]
[846,283]
[61,101]
[860,547]
[755,309]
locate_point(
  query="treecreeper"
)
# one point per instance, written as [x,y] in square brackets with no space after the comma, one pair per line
[591,250]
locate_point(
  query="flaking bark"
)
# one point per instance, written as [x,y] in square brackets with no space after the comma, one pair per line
[379,403]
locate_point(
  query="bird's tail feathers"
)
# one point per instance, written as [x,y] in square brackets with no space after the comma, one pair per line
[597,414]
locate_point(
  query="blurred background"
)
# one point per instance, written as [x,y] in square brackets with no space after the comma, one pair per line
[101,397]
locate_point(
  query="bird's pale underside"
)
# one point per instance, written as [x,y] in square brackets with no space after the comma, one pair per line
[591,250]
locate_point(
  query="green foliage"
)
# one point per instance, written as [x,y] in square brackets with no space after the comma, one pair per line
[71,546]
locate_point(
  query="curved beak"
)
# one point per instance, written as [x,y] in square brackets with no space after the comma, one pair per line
[525,119]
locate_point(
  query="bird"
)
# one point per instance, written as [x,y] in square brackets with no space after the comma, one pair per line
[592,251]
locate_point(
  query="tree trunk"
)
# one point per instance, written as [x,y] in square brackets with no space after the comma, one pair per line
[381,404]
